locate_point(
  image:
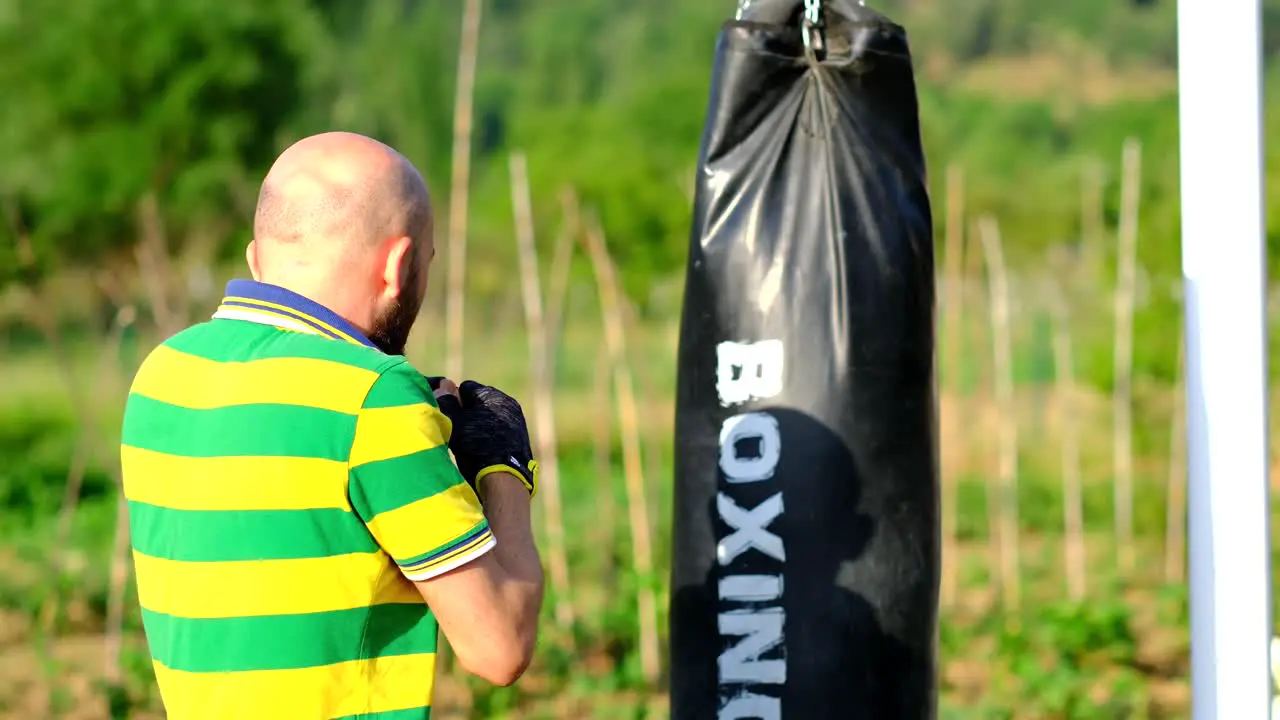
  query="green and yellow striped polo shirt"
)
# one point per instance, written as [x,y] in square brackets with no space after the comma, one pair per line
[286,481]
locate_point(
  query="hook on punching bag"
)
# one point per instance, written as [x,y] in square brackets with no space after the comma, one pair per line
[806,551]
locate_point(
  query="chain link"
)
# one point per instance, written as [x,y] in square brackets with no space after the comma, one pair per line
[813,12]
[811,32]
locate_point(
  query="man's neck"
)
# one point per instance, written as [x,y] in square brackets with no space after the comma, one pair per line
[329,295]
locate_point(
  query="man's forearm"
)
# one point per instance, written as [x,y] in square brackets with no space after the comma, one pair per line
[506,505]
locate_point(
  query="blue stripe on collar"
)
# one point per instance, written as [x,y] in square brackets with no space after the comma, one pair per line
[270,299]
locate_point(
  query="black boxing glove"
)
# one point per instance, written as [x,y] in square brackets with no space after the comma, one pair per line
[489,433]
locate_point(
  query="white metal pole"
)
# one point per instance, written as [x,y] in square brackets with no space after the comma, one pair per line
[1224,269]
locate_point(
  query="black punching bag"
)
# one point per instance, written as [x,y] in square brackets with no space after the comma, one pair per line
[806,509]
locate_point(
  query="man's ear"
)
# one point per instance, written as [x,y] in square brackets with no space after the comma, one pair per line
[251,257]
[396,269]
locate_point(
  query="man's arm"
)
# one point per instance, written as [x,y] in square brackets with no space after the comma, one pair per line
[489,608]
[405,487]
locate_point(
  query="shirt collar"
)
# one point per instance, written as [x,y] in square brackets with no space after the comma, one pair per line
[273,305]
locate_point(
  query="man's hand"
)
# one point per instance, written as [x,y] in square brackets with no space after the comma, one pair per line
[489,432]
[442,386]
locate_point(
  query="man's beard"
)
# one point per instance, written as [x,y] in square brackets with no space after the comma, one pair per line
[391,329]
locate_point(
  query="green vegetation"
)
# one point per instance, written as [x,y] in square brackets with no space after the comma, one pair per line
[188,104]
[145,125]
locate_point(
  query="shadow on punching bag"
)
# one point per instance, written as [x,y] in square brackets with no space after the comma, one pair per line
[806,510]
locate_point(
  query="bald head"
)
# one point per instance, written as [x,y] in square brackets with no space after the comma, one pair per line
[345,220]
[328,196]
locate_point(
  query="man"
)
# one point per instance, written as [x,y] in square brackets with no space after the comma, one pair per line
[298,526]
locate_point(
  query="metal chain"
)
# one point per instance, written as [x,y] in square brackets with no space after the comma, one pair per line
[813,13]
[811,33]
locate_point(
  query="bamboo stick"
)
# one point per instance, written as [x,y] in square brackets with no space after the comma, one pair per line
[459,200]
[652,442]
[689,183]
[112,672]
[602,462]
[629,425]
[152,255]
[1072,494]
[1092,220]
[544,427]
[1122,398]
[1002,350]
[46,320]
[459,188]
[1175,543]
[561,264]
[974,266]
[125,317]
[954,298]
[121,547]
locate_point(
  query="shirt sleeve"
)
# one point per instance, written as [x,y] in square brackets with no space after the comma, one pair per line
[403,484]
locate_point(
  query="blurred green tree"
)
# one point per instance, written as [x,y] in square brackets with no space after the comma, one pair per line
[109,103]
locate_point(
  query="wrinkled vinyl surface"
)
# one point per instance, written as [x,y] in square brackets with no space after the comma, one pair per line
[806,542]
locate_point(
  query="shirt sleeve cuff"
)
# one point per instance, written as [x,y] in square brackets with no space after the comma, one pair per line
[453,558]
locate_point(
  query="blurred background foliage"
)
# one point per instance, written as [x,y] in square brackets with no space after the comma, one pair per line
[111,102]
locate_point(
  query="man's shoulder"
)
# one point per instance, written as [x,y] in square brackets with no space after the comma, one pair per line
[245,359]
[238,341]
